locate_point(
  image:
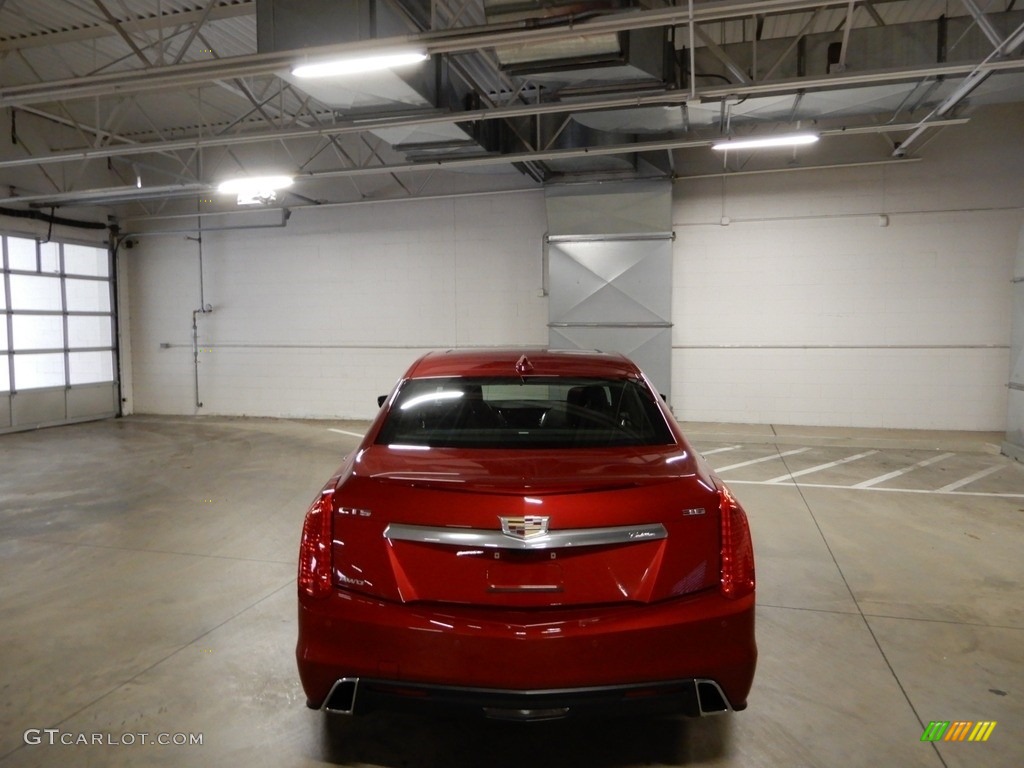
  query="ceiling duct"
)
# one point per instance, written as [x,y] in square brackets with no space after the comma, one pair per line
[617,62]
[637,56]
[285,25]
[423,88]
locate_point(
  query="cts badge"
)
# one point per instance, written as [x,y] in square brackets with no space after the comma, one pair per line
[524,527]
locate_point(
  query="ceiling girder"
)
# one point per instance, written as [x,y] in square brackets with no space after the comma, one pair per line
[716,50]
[792,44]
[659,98]
[975,77]
[490,160]
[873,13]
[453,41]
[844,47]
[252,77]
[116,26]
[195,31]
[983,23]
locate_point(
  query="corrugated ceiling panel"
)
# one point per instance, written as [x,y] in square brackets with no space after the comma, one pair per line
[64,39]
[23,18]
[831,19]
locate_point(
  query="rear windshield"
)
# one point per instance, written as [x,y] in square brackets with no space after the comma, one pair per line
[536,411]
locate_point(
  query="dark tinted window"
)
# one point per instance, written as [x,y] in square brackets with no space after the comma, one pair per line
[542,412]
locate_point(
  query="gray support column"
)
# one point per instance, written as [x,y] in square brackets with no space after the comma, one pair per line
[1014,445]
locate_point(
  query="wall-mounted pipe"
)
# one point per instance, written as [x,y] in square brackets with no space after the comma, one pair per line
[51,219]
[283,222]
[204,309]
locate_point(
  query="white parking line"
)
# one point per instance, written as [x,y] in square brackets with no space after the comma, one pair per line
[970,479]
[343,432]
[720,450]
[876,489]
[763,458]
[819,468]
[898,472]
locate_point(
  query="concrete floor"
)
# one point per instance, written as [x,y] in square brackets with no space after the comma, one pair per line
[147,578]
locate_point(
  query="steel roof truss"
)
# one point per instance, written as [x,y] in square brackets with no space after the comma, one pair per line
[195,31]
[983,23]
[116,26]
[716,50]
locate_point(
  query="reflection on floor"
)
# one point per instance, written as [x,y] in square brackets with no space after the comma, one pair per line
[147,595]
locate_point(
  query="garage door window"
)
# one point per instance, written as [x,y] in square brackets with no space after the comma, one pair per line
[58,326]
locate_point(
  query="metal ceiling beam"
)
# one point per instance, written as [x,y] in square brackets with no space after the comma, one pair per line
[716,50]
[875,16]
[792,44]
[113,195]
[195,31]
[798,168]
[847,28]
[976,77]
[125,194]
[72,123]
[116,25]
[983,22]
[660,98]
[452,41]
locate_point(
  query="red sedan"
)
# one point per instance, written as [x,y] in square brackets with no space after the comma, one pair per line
[526,535]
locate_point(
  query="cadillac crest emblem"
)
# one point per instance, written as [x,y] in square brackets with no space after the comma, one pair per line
[524,526]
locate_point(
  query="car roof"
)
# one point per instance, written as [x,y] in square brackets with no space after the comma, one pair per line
[539,362]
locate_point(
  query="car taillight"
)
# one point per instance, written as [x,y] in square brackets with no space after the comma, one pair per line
[315,549]
[737,549]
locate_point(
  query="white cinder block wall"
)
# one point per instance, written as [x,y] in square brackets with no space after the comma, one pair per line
[318,318]
[802,309]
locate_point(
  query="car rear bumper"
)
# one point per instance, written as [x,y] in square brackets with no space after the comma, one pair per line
[459,655]
[696,698]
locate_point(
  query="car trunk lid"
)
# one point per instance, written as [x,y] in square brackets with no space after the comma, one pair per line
[541,529]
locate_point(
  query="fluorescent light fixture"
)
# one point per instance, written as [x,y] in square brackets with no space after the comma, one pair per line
[356,65]
[251,184]
[786,140]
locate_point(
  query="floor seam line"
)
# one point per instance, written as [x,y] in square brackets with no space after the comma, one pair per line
[810,610]
[860,611]
[37,539]
[157,663]
[943,621]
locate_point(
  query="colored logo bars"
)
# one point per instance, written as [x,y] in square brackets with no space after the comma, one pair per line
[958,730]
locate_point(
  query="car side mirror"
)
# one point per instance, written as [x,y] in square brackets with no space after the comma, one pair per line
[381,399]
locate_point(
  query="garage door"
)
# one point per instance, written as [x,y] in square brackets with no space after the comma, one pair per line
[57,346]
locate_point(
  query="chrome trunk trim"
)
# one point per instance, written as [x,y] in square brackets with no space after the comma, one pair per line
[475,538]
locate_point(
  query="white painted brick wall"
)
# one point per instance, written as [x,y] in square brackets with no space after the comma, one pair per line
[318,318]
[803,310]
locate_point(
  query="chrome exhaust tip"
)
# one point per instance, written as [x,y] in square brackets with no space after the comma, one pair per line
[342,698]
[710,699]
